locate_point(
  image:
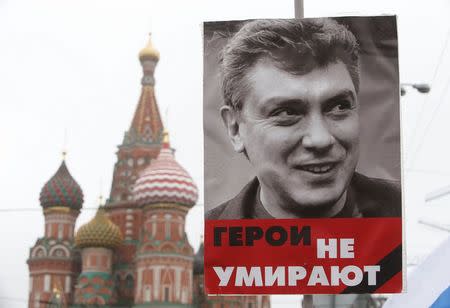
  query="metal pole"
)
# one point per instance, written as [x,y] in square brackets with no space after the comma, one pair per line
[308,301]
[298,6]
[299,13]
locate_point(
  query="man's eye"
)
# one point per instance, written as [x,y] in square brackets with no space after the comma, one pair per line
[286,116]
[341,107]
[284,112]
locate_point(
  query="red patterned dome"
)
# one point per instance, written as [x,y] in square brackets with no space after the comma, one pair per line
[62,190]
[165,181]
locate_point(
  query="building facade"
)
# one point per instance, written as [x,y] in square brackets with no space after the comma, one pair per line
[135,251]
[54,261]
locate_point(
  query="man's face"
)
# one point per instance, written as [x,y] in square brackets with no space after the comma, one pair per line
[301,134]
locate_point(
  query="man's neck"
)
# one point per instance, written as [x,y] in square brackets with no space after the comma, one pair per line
[276,210]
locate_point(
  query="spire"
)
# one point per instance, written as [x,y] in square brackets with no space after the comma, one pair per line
[146,127]
[149,57]
[142,141]
[64,149]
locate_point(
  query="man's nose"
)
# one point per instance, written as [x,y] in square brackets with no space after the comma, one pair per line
[317,136]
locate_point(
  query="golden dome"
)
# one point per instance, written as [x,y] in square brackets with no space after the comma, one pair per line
[149,51]
[99,232]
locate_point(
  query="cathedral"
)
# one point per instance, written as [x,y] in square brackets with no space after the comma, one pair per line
[134,252]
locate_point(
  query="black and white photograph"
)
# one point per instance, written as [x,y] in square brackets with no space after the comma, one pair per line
[301,118]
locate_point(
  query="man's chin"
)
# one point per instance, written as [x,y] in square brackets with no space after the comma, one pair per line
[317,202]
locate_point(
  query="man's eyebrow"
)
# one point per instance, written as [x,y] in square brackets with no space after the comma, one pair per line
[277,101]
[344,94]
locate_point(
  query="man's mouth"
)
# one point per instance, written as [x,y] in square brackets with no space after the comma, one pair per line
[320,168]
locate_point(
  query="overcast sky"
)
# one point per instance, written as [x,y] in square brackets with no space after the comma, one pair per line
[71,69]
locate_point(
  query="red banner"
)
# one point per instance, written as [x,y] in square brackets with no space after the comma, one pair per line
[303,256]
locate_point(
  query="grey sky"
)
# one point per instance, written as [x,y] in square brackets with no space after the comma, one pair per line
[73,66]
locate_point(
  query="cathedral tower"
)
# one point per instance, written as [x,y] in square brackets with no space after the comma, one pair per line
[199,297]
[54,261]
[97,241]
[142,141]
[140,146]
[134,252]
[164,260]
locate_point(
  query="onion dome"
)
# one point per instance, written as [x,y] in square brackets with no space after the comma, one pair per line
[62,190]
[149,51]
[199,261]
[99,232]
[165,181]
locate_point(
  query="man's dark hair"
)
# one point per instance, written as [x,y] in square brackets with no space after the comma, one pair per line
[296,46]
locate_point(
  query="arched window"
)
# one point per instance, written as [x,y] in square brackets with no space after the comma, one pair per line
[40,252]
[147,293]
[129,282]
[59,253]
[117,281]
[166,293]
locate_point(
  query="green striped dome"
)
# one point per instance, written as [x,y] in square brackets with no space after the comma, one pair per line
[62,190]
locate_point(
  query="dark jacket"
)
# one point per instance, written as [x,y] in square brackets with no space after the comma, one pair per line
[366,197]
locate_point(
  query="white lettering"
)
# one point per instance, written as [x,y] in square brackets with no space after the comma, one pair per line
[346,278]
[224,275]
[248,278]
[343,275]
[323,248]
[318,276]
[372,274]
[296,273]
[346,248]
[272,276]
[350,275]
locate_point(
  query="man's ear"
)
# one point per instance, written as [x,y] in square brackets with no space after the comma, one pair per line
[231,122]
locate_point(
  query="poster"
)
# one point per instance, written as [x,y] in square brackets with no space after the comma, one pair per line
[302,156]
